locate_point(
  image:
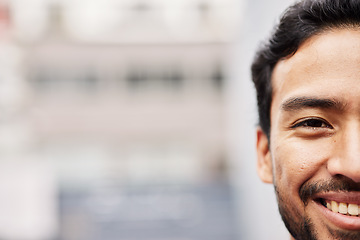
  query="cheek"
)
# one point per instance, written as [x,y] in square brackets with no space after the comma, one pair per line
[295,162]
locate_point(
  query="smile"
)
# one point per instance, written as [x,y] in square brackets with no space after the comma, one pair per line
[349,209]
[340,209]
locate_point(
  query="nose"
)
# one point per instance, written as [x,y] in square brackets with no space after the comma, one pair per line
[346,158]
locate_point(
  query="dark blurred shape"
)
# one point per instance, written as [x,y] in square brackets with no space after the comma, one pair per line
[150,212]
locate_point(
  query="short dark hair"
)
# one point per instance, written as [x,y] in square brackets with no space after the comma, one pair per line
[299,22]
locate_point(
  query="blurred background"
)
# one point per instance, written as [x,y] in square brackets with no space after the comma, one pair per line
[132,120]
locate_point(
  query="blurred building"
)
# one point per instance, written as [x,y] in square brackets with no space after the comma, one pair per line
[120,103]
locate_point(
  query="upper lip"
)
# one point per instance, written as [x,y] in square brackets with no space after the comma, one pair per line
[341,196]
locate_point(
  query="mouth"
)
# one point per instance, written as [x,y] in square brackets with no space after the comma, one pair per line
[342,210]
[349,209]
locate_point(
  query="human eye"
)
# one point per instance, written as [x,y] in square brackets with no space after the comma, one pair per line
[311,123]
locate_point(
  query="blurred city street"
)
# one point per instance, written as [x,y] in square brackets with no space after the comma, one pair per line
[113,120]
[131,120]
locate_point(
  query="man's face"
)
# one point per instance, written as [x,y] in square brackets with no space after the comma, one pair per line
[313,158]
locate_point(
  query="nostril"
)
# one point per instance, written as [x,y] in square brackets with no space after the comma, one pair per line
[344,167]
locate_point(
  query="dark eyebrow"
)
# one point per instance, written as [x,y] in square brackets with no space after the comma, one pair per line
[310,102]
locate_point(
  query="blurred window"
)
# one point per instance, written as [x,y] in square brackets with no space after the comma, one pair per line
[46,79]
[218,78]
[154,79]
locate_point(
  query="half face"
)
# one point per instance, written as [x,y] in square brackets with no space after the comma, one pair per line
[313,157]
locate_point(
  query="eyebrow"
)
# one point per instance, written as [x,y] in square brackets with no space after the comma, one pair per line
[298,103]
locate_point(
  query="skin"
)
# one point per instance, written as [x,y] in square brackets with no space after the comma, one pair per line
[315,133]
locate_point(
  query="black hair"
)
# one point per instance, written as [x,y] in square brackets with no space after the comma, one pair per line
[299,22]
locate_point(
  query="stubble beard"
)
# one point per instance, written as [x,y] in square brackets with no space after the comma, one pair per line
[301,226]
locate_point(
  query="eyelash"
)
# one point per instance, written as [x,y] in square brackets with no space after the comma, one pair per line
[312,123]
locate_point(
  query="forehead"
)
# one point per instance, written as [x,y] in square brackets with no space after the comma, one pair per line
[323,65]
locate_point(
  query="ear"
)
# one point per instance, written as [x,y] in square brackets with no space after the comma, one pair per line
[264,165]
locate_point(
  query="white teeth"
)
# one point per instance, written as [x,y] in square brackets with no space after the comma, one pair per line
[334,206]
[343,209]
[353,209]
[328,205]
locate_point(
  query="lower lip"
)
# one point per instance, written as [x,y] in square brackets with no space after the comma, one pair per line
[340,220]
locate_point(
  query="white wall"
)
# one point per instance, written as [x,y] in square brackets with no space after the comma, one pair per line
[257,207]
